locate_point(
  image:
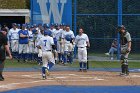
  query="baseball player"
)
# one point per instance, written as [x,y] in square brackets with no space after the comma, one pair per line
[62,30]
[23,43]
[13,39]
[31,43]
[35,37]
[125,49]
[46,44]
[18,26]
[3,49]
[39,36]
[82,42]
[52,28]
[57,35]
[68,41]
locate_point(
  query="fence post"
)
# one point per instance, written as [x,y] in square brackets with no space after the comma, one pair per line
[119,23]
[75,22]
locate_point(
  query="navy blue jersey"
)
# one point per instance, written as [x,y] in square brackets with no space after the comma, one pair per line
[25,39]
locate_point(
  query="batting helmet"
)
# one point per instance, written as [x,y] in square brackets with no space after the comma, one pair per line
[48,32]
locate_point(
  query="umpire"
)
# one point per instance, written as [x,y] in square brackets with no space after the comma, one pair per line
[3,49]
[125,49]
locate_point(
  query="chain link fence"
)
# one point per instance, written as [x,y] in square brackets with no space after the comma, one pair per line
[99,19]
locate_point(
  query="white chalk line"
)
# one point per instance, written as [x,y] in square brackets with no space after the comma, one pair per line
[12,85]
[49,79]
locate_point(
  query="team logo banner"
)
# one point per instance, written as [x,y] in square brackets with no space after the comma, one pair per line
[51,11]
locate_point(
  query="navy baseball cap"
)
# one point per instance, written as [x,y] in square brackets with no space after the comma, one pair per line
[14,24]
[18,25]
[47,32]
[46,25]
[23,25]
[4,29]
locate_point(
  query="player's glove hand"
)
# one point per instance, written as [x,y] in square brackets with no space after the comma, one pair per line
[38,47]
[128,50]
[54,51]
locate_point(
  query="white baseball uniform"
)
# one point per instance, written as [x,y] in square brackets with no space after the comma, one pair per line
[13,34]
[39,36]
[67,44]
[58,35]
[46,43]
[52,30]
[31,42]
[81,42]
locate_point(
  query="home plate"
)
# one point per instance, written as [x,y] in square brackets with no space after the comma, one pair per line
[60,77]
[85,77]
[135,76]
[72,74]
[98,79]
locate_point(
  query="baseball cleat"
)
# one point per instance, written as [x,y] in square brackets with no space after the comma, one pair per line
[47,72]
[122,74]
[107,54]
[80,70]
[112,58]
[84,70]
[44,77]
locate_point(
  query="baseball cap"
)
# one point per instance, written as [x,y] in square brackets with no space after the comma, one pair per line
[46,25]
[23,25]
[4,29]
[14,24]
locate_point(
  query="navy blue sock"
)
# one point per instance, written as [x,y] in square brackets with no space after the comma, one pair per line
[80,64]
[70,57]
[39,60]
[62,57]
[65,57]
[84,65]
[50,65]
[16,54]
[59,56]
[19,56]
[24,56]
[43,70]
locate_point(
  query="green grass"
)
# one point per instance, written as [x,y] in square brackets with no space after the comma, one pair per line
[133,56]
[14,64]
[92,64]
[95,64]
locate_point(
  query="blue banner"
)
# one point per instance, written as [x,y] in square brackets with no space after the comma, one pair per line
[51,11]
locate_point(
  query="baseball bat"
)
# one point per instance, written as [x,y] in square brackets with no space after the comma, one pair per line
[87,60]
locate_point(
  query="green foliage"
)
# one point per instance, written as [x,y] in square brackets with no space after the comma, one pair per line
[14,4]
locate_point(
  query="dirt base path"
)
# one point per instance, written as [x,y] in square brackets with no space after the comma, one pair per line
[17,80]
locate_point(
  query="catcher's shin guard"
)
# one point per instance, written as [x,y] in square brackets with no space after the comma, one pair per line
[126,71]
[123,68]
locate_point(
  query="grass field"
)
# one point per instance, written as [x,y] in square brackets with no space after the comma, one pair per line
[92,64]
[133,56]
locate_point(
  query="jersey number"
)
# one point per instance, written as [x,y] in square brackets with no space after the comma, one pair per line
[45,41]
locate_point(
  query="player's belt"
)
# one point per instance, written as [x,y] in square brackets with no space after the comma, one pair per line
[81,47]
[124,45]
[14,39]
[48,50]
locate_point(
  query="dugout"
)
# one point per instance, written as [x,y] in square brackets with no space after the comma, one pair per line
[8,16]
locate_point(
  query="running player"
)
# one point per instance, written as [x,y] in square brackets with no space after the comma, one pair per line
[46,44]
